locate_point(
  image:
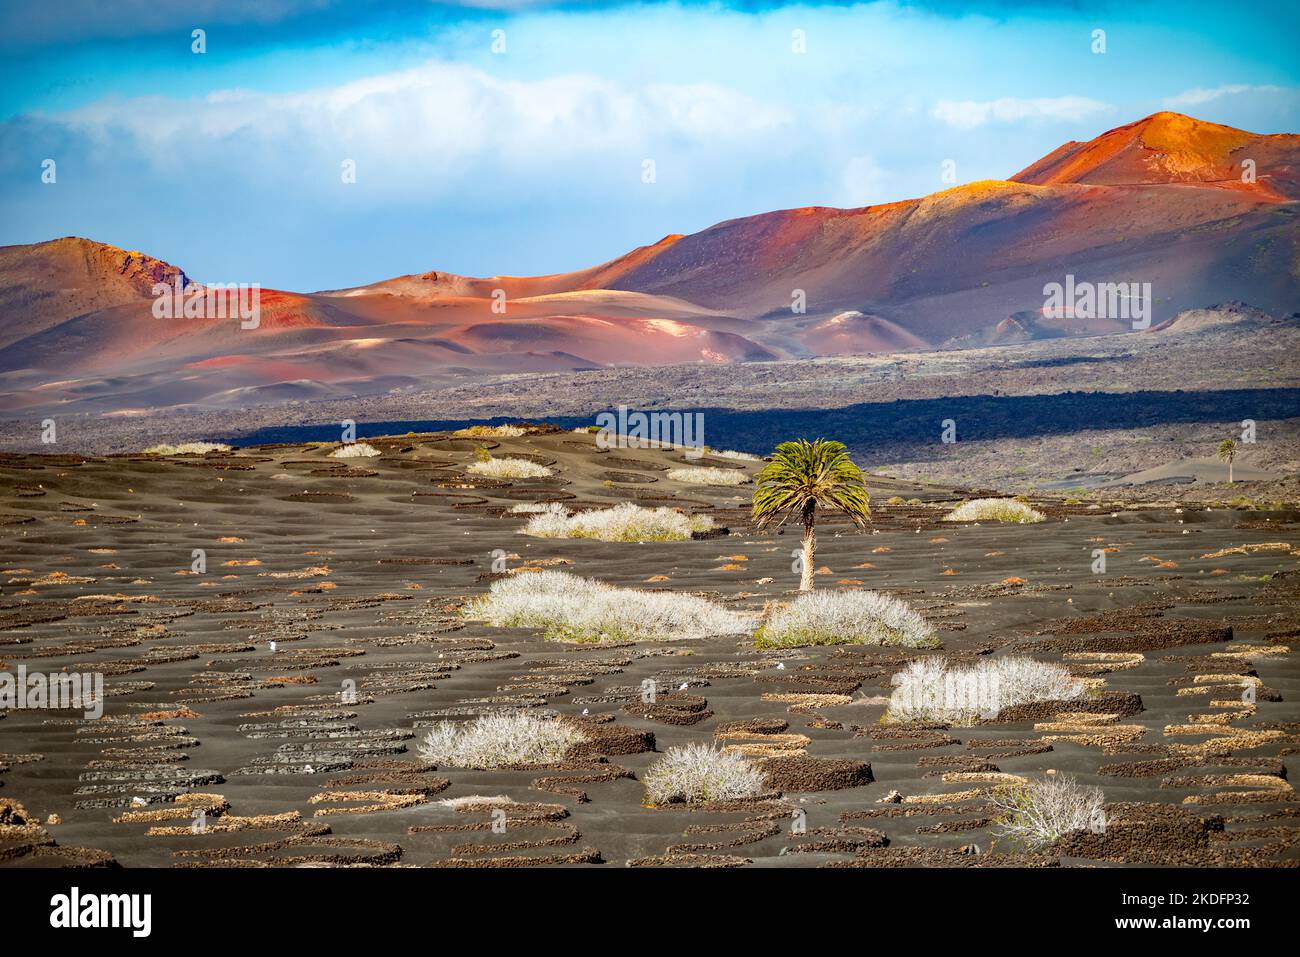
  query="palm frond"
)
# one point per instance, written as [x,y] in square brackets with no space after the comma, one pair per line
[801,473]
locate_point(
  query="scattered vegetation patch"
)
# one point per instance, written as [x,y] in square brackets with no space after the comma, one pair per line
[1249,549]
[697,773]
[706,475]
[187,448]
[571,608]
[355,450]
[622,523]
[494,740]
[995,510]
[1041,812]
[490,432]
[929,690]
[509,468]
[538,508]
[845,618]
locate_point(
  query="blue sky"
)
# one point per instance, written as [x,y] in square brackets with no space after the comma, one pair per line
[532,159]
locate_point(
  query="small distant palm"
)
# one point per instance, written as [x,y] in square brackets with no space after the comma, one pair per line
[801,476]
[1228,453]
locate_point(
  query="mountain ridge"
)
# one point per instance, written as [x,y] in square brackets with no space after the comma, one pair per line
[1153,200]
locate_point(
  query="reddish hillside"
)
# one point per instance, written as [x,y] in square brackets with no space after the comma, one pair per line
[852,333]
[47,283]
[965,259]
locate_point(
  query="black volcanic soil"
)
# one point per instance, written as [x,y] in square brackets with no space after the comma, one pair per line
[355,569]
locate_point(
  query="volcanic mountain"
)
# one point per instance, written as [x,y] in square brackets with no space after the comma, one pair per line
[1204,213]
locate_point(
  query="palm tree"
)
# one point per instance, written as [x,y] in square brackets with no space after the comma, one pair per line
[1227,453]
[801,476]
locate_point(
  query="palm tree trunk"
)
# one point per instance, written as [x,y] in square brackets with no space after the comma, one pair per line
[809,546]
[1229,471]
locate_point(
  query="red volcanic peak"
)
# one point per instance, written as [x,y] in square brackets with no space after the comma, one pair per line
[1172,148]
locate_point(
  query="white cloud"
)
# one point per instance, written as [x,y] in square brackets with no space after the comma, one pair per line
[1199,95]
[968,114]
[420,125]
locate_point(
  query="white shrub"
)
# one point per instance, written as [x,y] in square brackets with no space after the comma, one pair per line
[1023,680]
[187,448]
[534,508]
[571,608]
[995,510]
[843,618]
[1039,813]
[622,523]
[709,476]
[696,773]
[929,690]
[474,800]
[727,454]
[510,468]
[496,739]
[355,450]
